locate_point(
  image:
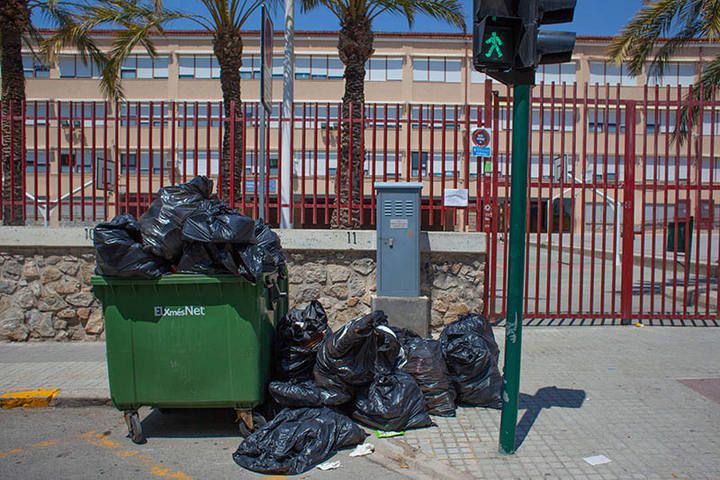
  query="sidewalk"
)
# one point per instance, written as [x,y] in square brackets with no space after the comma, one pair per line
[612,391]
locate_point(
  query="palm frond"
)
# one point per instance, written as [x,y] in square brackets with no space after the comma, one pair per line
[703,90]
[450,11]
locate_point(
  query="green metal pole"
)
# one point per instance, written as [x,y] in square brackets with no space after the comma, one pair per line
[516,268]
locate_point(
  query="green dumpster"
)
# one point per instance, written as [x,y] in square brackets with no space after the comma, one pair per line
[189,341]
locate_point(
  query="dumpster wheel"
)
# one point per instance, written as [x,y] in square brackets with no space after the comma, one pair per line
[248,421]
[132,419]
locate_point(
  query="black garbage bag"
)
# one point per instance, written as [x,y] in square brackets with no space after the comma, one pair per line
[425,363]
[393,401]
[297,440]
[119,251]
[215,222]
[350,357]
[471,355]
[297,340]
[208,259]
[269,243]
[306,394]
[162,224]
[404,334]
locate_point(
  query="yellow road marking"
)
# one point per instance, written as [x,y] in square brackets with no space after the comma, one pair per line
[39,398]
[155,469]
[9,453]
[18,451]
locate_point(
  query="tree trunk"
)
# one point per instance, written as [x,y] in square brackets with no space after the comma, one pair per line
[355,47]
[14,22]
[228,48]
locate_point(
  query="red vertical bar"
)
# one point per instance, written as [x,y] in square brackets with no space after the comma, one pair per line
[594,199]
[138,157]
[688,244]
[82,161]
[231,157]
[208,160]
[151,164]
[337,164]
[185,151]
[327,163]
[408,138]
[196,138]
[606,148]
[2,137]
[397,144]
[350,165]
[105,160]
[59,162]
[628,216]
[162,146]
[127,157]
[665,190]
[35,165]
[442,163]
[676,190]
[643,223]
[581,265]
[656,168]
[71,160]
[303,148]
[362,166]
[221,133]
[93,160]
[173,129]
[540,210]
[712,160]
[616,192]
[23,161]
[698,197]
[315,164]
[47,158]
[373,158]
[116,117]
[256,159]
[573,169]
[431,161]
[561,200]
[550,196]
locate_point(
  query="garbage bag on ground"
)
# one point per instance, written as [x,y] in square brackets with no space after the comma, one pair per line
[425,363]
[297,440]
[297,340]
[306,394]
[119,251]
[471,354]
[162,224]
[215,222]
[393,401]
[350,357]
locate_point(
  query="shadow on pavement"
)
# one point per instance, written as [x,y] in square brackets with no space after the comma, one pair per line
[546,397]
[190,423]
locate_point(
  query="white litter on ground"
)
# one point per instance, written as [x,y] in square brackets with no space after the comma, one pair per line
[329,465]
[597,460]
[362,450]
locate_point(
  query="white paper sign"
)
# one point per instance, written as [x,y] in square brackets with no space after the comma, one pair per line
[455,197]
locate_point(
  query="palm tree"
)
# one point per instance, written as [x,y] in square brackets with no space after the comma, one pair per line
[355,47]
[74,21]
[650,34]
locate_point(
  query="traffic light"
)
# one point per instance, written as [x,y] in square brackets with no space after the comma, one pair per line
[508,44]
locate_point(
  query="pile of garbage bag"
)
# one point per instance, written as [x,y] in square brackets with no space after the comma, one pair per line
[187,229]
[383,377]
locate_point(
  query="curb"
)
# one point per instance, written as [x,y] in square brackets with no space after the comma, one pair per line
[402,458]
[65,401]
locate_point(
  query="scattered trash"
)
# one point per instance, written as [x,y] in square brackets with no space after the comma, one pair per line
[639,325]
[387,434]
[350,357]
[297,440]
[427,366]
[392,402]
[298,338]
[471,354]
[329,465]
[362,450]
[597,460]
[119,250]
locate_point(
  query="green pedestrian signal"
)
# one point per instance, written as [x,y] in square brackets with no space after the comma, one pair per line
[495,43]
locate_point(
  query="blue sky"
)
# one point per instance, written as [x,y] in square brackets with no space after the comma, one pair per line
[592,17]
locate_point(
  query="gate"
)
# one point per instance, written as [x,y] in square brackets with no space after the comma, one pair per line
[623,220]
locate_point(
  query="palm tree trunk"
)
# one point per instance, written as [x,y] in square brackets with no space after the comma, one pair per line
[228,49]
[355,47]
[14,22]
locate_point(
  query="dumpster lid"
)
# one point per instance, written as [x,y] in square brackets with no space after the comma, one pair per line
[172,279]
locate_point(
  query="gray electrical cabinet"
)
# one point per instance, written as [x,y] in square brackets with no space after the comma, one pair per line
[398,239]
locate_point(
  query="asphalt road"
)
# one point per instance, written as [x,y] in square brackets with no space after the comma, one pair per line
[90,442]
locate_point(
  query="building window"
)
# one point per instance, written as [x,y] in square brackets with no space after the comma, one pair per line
[601,120]
[433,116]
[159,114]
[559,74]
[385,162]
[440,164]
[73,66]
[674,74]
[710,170]
[384,115]
[318,67]
[663,169]
[144,66]
[272,162]
[188,112]
[195,162]
[437,69]
[81,113]
[604,168]
[34,68]
[316,163]
[201,66]
[77,161]
[128,162]
[36,112]
[711,126]
[381,69]
[552,120]
[35,160]
[611,74]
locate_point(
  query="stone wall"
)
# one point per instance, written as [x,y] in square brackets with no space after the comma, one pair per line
[46,294]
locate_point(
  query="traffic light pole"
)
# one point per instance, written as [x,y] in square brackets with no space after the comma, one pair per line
[516,268]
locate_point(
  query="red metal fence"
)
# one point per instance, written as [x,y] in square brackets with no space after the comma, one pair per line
[623,221]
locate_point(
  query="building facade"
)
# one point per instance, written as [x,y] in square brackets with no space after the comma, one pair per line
[423,99]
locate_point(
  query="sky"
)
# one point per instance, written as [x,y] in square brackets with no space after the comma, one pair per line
[592,17]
